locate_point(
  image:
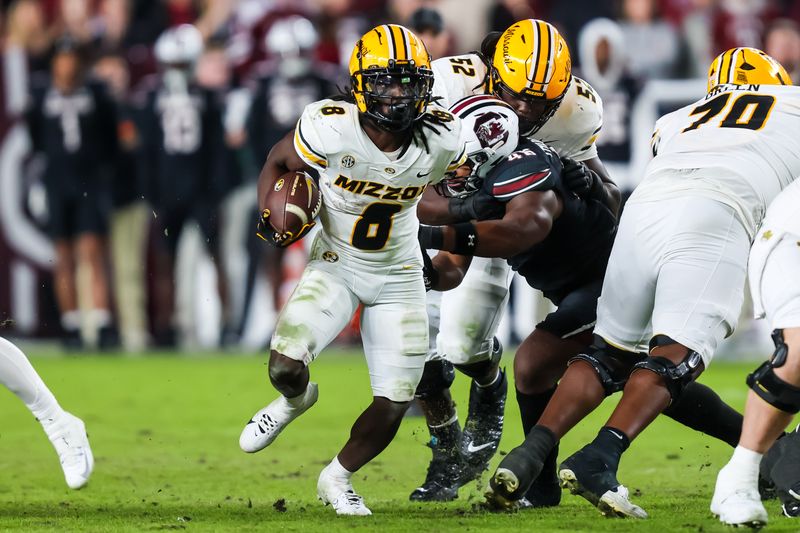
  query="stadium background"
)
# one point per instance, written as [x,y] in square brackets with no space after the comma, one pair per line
[644,57]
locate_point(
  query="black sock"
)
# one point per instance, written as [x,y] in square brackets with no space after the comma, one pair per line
[445,437]
[612,442]
[531,407]
[701,409]
[540,441]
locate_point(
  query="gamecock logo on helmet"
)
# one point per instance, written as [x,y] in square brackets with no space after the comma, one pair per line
[490,129]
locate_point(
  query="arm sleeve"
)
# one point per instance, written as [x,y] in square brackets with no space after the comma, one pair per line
[308,143]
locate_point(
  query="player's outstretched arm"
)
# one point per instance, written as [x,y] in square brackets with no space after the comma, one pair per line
[450,270]
[282,158]
[527,221]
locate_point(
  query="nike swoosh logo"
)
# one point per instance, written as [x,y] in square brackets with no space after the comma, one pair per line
[616,434]
[421,175]
[471,448]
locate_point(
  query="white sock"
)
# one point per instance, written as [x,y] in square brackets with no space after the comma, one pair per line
[17,374]
[746,461]
[338,472]
[101,317]
[71,320]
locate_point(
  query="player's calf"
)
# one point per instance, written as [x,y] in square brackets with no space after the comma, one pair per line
[287,375]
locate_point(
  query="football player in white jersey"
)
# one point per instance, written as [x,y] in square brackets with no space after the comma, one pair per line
[774,398]
[65,431]
[375,152]
[675,280]
[529,67]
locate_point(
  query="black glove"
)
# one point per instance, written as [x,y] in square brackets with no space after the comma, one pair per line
[581,180]
[478,206]
[429,274]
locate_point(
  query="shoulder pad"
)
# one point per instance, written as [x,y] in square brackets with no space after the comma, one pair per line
[523,171]
[449,132]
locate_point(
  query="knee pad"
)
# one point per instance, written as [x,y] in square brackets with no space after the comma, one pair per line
[482,367]
[437,376]
[675,377]
[613,365]
[769,387]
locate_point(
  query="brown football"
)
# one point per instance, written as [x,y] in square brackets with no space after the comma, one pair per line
[293,202]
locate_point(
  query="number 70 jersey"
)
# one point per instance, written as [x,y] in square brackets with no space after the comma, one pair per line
[369,199]
[739,145]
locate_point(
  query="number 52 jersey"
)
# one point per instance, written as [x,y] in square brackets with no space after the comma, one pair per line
[369,198]
[738,145]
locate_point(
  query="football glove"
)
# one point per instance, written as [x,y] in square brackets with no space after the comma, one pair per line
[581,180]
[281,240]
[478,206]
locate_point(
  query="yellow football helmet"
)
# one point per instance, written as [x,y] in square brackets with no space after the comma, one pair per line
[531,70]
[743,66]
[391,77]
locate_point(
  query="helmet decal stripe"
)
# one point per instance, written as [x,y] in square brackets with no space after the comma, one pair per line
[406,42]
[732,67]
[723,67]
[469,100]
[480,105]
[397,41]
[544,31]
[551,60]
[536,47]
[390,36]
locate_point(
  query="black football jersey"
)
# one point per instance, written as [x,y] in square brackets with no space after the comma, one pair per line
[77,132]
[182,141]
[579,243]
[278,103]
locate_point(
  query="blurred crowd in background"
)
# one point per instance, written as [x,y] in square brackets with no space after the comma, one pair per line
[146,118]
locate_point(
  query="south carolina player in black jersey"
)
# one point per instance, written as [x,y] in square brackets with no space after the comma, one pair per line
[181,156]
[560,242]
[72,123]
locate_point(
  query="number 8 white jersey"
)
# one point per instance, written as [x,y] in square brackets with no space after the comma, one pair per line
[739,145]
[369,200]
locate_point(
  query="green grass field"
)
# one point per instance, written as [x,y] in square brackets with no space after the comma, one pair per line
[165,430]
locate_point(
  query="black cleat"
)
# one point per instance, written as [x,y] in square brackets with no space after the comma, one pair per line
[588,474]
[447,472]
[484,425]
[72,341]
[512,479]
[108,338]
[784,456]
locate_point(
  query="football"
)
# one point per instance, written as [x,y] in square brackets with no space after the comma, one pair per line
[293,202]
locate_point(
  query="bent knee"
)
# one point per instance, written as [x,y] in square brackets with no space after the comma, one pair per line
[283,369]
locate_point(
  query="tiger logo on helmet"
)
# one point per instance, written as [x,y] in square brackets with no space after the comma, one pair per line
[745,66]
[531,63]
[391,76]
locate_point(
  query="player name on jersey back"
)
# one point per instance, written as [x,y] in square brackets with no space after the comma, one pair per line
[369,198]
[738,145]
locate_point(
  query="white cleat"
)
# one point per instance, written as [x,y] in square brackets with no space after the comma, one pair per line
[341,496]
[69,438]
[267,424]
[737,502]
[617,503]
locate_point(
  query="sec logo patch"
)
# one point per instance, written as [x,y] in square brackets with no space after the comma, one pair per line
[279,185]
[348,161]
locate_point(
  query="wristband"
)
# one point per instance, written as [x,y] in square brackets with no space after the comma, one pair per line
[466,238]
[431,237]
